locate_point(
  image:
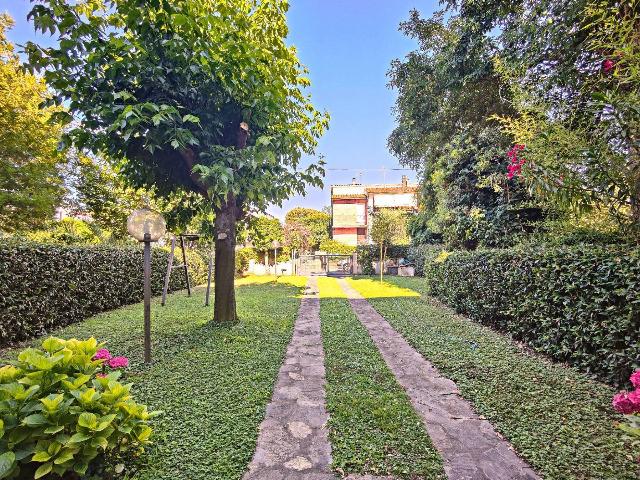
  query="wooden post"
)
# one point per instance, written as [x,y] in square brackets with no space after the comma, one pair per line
[184,265]
[147,298]
[206,297]
[165,289]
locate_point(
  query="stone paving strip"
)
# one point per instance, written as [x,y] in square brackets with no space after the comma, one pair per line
[293,442]
[470,447]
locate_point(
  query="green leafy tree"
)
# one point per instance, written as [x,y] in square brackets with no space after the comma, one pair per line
[30,182]
[262,232]
[388,227]
[447,97]
[587,156]
[97,190]
[315,221]
[570,68]
[198,96]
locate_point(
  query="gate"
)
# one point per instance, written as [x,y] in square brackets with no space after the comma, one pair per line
[325,264]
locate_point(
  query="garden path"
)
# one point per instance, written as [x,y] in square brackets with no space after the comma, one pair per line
[470,447]
[293,441]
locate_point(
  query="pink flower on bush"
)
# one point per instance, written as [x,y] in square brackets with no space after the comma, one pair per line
[628,403]
[623,403]
[608,65]
[515,163]
[102,354]
[119,362]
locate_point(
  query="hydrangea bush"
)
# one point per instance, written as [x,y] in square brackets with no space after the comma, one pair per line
[628,403]
[62,408]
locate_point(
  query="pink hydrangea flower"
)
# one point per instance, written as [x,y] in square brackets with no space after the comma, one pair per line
[102,354]
[635,379]
[627,403]
[119,362]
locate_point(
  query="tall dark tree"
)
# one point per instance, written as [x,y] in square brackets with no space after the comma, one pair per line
[188,96]
[448,95]
[572,68]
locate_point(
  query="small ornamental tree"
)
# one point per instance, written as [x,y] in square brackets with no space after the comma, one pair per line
[315,221]
[297,236]
[388,227]
[188,96]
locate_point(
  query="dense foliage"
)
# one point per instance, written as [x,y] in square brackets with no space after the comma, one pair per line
[516,111]
[191,96]
[315,222]
[95,189]
[46,286]
[572,70]
[68,231]
[421,255]
[59,412]
[30,182]
[576,304]
[560,421]
[243,256]
[446,97]
[262,232]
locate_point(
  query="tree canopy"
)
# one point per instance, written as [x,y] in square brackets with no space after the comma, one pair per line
[196,96]
[447,97]
[30,182]
[315,222]
[517,112]
[263,231]
[389,226]
[164,87]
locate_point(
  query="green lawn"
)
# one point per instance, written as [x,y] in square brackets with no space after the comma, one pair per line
[372,426]
[212,383]
[559,420]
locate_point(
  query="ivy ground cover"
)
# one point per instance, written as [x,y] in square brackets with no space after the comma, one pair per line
[212,383]
[557,419]
[372,427]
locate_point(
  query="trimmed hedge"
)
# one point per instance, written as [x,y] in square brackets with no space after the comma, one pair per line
[43,286]
[367,254]
[580,305]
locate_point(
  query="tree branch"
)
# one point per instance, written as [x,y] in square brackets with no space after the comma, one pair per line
[189,157]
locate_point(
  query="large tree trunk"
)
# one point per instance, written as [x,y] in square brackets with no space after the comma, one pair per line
[224,309]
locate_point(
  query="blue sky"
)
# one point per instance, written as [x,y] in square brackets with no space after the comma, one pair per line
[347,46]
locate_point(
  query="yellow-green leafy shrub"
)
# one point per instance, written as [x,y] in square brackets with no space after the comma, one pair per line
[59,413]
